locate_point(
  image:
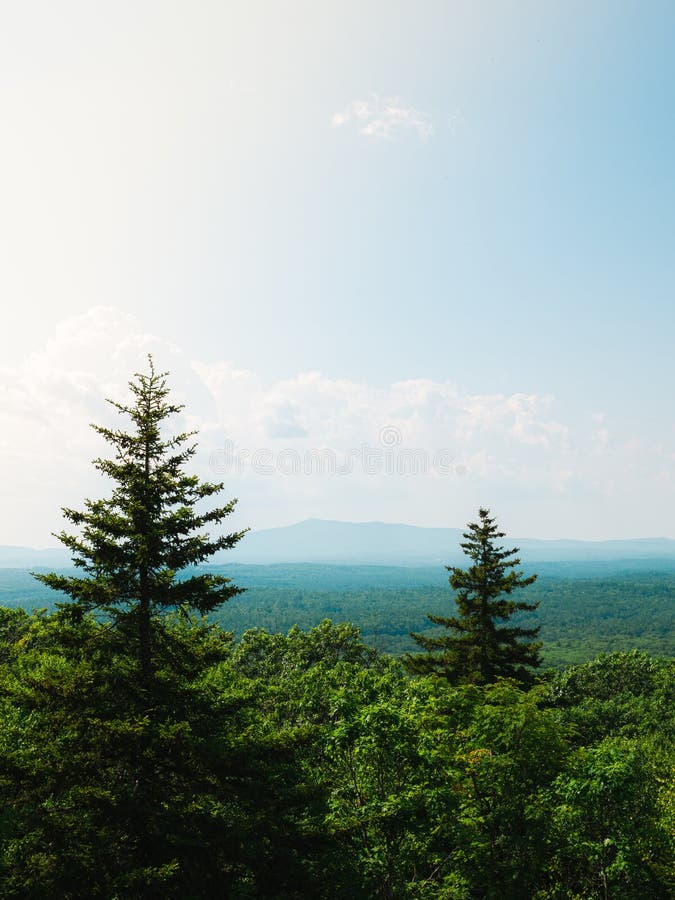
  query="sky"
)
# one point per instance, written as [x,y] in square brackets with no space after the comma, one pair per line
[401,259]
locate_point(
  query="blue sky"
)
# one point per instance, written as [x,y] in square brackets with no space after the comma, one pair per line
[469,206]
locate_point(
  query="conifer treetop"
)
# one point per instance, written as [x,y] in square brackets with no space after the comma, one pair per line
[132,545]
[479,647]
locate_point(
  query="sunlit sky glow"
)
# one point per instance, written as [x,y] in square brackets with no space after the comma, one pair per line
[450,219]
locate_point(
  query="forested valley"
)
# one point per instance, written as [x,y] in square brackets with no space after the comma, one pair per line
[153,747]
[581,616]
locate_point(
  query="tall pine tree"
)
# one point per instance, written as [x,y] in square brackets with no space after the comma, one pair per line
[132,546]
[134,760]
[478,648]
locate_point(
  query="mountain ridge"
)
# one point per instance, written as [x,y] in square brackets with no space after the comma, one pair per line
[332,541]
[396,543]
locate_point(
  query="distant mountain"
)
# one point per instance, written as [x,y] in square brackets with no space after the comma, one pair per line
[381,543]
[384,544]
[29,558]
[324,541]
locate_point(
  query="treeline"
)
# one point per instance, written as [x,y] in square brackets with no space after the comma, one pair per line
[309,765]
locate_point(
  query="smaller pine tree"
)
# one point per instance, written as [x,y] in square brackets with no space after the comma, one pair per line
[479,650]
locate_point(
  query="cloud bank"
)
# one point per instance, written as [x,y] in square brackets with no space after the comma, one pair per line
[512,451]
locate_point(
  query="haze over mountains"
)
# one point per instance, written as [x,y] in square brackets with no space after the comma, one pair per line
[381,543]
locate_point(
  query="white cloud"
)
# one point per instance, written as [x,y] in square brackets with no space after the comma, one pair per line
[499,436]
[46,406]
[384,118]
[502,450]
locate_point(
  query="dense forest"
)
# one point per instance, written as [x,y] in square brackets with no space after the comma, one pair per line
[580,617]
[146,753]
[309,765]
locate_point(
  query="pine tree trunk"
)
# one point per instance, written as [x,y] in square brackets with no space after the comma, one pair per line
[145,648]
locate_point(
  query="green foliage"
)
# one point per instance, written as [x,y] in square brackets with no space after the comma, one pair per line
[113,792]
[132,545]
[499,749]
[433,791]
[383,788]
[261,654]
[480,649]
[613,814]
[607,833]
[307,764]
[619,694]
[307,684]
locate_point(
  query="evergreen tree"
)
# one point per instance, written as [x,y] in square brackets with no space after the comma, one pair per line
[159,786]
[478,649]
[133,544]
